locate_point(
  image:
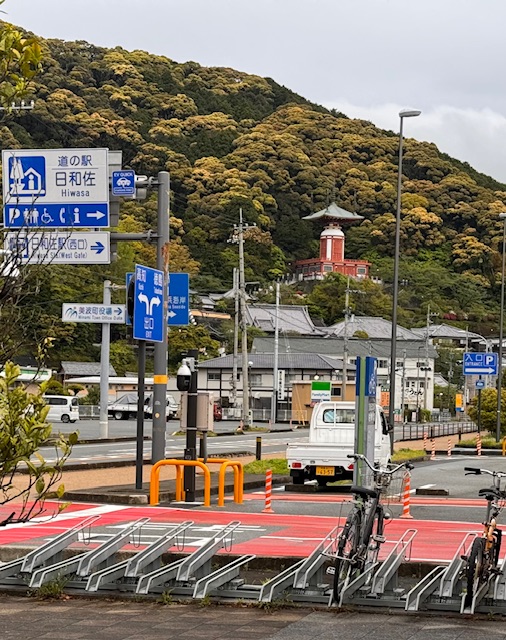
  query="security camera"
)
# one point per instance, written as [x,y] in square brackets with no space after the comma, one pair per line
[183,377]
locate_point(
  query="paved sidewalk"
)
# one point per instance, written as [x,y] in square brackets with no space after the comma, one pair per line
[82,619]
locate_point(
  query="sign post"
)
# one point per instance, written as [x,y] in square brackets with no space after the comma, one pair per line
[365,414]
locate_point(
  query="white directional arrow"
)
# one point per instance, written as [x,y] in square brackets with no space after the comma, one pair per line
[482,370]
[155,302]
[98,215]
[171,314]
[142,297]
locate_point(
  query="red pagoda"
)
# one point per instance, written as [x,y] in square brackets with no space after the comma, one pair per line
[331,258]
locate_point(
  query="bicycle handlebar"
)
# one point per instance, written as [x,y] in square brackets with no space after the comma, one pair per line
[360,456]
[477,472]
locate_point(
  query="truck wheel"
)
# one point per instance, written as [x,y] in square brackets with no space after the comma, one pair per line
[322,482]
[118,415]
[298,479]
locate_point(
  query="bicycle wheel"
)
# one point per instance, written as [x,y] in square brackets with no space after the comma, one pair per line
[374,542]
[346,549]
[475,566]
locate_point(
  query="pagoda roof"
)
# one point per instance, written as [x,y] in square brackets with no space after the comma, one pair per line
[333,212]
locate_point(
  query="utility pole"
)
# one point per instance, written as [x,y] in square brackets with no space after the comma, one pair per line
[403,384]
[160,351]
[104,366]
[244,329]
[425,390]
[275,383]
[345,341]
[236,337]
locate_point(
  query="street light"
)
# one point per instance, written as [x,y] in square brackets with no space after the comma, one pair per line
[502,216]
[404,113]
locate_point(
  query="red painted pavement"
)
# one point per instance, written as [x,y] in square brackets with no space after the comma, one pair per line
[279,535]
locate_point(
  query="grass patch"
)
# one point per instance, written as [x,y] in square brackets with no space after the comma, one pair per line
[403,455]
[486,443]
[278,466]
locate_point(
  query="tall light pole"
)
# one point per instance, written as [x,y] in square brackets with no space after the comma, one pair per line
[404,113]
[502,216]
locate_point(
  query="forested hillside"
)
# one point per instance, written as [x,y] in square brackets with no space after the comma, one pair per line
[233,140]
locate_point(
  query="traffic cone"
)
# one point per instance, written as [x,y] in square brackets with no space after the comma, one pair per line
[406,497]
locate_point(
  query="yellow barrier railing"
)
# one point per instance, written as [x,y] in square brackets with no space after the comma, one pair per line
[238,468]
[154,485]
[504,446]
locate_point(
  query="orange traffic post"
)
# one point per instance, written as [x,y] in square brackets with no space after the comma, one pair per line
[154,483]
[433,449]
[478,444]
[406,497]
[425,441]
[268,492]
[449,453]
[504,446]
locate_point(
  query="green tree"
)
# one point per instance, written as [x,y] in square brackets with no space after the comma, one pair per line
[23,430]
[489,410]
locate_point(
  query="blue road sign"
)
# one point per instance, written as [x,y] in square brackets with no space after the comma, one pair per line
[484,364]
[123,183]
[128,276]
[179,300]
[55,188]
[480,384]
[148,306]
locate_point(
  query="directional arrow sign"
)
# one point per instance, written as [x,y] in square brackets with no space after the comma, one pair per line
[59,247]
[148,304]
[95,313]
[480,364]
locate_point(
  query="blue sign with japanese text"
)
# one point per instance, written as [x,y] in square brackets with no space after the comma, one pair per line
[148,304]
[480,364]
[179,300]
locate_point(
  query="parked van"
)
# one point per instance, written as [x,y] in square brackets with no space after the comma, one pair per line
[331,439]
[62,408]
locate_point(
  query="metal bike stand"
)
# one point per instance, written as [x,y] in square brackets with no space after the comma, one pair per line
[19,571]
[377,584]
[278,585]
[180,576]
[82,565]
[227,575]
[500,583]
[124,575]
[423,589]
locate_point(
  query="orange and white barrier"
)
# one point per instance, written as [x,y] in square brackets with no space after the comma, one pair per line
[268,492]
[425,448]
[406,497]
[478,445]
[449,453]
[433,449]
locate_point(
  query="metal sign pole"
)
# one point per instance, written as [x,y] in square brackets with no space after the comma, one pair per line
[104,367]
[141,388]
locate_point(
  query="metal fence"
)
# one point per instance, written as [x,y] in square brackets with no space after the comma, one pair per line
[416,431]
[89,412]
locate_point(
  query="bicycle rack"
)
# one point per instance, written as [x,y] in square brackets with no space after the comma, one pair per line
[436,590]
[81,566]
[493,591]
[17,572]
[380,580]
[305,580]
[125,574]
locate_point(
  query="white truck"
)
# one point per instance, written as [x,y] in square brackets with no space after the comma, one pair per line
[331,440]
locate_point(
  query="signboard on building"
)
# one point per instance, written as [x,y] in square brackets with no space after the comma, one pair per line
[320,390]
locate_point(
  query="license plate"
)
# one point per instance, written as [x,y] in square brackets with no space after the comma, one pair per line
[324,471]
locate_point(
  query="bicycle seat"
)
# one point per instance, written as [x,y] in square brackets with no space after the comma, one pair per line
[490,493]
[365,493]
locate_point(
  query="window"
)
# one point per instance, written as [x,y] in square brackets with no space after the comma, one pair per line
[361,270]
[383,364]
[327,267]
[255,379]
[339,416]
[214,375]
[336,391]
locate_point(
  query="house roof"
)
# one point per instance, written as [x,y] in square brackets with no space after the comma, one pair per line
[448,332]
[335,213]
[308,361]
[291,318]
[374,327]
[69,368]
[334,347]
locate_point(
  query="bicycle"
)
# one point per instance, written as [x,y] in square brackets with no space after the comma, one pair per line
[484,555]
[362,534]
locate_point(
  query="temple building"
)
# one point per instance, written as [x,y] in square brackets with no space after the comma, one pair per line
[331,258]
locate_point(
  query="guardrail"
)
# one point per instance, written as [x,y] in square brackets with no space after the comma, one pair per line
[415,431]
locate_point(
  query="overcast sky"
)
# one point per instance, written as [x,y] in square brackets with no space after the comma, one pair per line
[367,58]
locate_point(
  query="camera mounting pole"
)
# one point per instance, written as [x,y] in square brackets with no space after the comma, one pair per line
[187,381]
